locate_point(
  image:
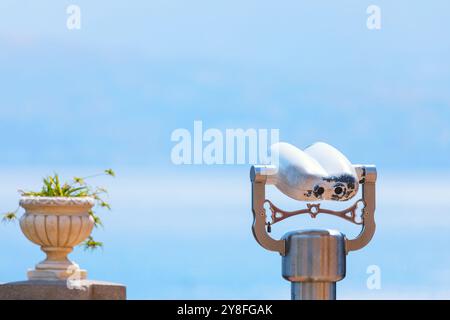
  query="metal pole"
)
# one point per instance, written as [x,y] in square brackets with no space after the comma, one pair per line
[314,262]
[313,290]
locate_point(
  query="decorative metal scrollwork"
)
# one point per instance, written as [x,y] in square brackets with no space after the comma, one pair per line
[313,209]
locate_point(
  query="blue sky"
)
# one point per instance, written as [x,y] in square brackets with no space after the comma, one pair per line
[110,94]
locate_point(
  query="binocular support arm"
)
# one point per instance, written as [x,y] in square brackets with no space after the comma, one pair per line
[259,177]
[368,177]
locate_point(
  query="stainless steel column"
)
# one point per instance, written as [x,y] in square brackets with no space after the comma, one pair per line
[313,290]
[314,262]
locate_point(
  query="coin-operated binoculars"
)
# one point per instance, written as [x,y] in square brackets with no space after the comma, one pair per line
[313,260]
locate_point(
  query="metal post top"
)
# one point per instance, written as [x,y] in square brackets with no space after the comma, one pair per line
[314,256]
[313,233]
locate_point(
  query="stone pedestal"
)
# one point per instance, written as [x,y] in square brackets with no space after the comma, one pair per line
[62,290]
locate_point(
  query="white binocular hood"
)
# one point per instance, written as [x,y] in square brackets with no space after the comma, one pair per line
[320,172]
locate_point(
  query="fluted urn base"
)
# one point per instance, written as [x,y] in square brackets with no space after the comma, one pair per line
[57,266]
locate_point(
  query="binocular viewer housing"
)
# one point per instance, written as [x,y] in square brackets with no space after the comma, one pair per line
[320,172]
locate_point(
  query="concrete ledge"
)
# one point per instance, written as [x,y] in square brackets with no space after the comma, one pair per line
[59,290]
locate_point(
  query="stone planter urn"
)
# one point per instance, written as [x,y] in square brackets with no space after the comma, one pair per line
[56,224]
